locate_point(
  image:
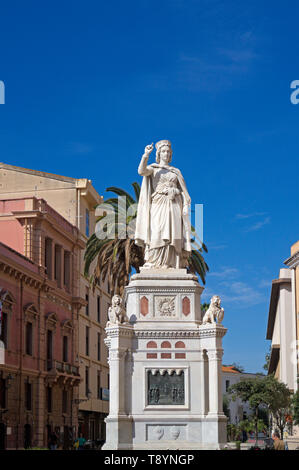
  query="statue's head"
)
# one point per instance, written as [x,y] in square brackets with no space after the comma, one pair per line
[116,300]
[164,151]
[215,300]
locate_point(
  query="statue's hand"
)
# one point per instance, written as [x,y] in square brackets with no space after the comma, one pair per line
[148,149]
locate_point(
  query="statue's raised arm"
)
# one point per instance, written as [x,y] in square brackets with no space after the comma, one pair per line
[144,169]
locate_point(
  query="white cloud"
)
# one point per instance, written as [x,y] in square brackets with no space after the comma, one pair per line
[224,273]
[236,292]
[259,225]
[247,216]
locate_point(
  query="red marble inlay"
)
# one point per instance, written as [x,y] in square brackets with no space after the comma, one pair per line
[151,355]
[165,355]
[180,344]
[144,306]
[180,355]
[186,306]
[166,344]
[151,344]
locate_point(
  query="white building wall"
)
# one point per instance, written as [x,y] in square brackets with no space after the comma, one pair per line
[287,332]
[237,408]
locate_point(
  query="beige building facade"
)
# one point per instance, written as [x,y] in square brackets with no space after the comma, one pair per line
[293,264]
[76,200]
[281,330]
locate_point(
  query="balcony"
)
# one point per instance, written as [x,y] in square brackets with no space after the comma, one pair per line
[63,373]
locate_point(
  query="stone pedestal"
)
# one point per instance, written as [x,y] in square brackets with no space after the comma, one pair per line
[165,368]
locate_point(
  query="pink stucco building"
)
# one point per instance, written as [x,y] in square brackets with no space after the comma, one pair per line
[39,286]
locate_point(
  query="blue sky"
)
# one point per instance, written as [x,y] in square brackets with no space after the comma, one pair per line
[89,84]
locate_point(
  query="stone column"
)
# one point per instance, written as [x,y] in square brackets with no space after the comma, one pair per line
[118,422]
[117,380]
[204,383]
[39,424]
[215,381]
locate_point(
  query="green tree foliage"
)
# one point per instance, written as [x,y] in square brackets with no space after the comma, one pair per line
[234,432]
[264,392]
[204,307]
[226,406]
[295,407]
[279,401]
[267,359]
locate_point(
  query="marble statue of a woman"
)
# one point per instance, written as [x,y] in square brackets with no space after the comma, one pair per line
[163,224]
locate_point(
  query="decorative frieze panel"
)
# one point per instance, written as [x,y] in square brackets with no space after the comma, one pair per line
[164,307]
[157,432]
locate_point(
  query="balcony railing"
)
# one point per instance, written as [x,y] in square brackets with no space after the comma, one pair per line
[62,367]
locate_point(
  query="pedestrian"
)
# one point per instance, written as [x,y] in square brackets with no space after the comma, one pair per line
[53,441]
[81,441]
[278,443]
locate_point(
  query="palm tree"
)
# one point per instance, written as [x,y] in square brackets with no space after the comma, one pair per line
[116,256]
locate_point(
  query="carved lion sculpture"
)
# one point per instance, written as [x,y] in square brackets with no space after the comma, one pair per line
[214,312]
[116,313]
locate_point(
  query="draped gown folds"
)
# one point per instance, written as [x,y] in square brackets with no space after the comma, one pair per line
[161,226]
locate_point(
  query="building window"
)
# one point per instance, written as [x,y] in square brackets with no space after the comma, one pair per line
[58,265]
[28,396]
[99,308]
[87,382]
[87,222]
[3,328]
[64,401]
[226,385]
[2,393]
[49,349]
[99,346]
[29,338]
[108,381]
[67,270]
[48,257]
[87,341]
[49,399]
[87,305]
[99,394]
[65,349]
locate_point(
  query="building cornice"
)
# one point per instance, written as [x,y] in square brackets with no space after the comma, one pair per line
[293,261]
[274,359]
[68,179]
[276,286]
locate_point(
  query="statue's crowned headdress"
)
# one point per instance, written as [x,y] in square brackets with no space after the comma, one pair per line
[161,143]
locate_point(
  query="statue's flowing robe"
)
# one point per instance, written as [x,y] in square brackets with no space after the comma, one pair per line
[160,223]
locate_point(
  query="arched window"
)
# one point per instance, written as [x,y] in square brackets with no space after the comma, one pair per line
[6,309]
[30,316]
